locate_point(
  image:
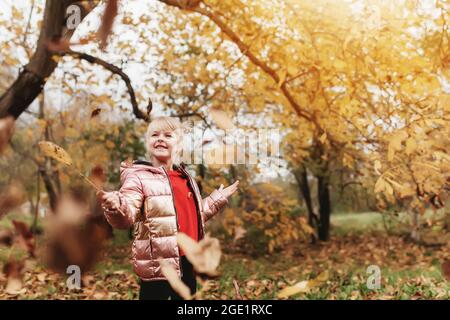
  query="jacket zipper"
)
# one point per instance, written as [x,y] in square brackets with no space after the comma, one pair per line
[199,218]
[176,218]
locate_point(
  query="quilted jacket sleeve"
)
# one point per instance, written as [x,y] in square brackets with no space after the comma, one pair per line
[213,204]
[131,197]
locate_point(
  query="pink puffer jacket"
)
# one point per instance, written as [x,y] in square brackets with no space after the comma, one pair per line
[146,200]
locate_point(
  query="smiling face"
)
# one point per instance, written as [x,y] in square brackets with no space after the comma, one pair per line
[162,144]
[163,140]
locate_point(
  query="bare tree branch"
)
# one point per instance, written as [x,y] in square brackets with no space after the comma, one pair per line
[33,77]
[118,71]
[194,7]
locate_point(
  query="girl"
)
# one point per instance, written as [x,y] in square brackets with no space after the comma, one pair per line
[160,198]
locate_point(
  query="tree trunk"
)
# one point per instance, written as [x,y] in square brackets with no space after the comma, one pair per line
[33,77]
[323,189]
[415,232]
[52,194]
[49,180]
[301,176]
[38,200]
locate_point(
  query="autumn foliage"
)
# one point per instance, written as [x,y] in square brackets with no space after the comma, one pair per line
[359,91]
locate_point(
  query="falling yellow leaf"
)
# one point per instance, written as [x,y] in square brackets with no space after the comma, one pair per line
[55,152]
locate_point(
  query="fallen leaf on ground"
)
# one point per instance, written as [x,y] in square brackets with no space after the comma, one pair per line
[303,286]
[41,276]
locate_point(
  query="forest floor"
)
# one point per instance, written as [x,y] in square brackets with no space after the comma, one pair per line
[407,270]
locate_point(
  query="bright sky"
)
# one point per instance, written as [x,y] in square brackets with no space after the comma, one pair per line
[137,71]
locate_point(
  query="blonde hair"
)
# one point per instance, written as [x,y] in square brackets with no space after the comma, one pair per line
[164,123]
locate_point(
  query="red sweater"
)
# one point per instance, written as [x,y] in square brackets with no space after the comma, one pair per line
[184,205]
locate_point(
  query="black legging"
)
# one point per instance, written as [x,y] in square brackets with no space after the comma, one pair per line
[161,289]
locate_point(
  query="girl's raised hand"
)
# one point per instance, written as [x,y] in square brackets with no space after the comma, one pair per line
[228,191]
[109,200]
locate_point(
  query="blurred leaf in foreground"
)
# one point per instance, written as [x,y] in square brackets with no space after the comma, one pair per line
[6,131]
[55,152]
[204,255]
[25,237]
[11,196]
[72,236]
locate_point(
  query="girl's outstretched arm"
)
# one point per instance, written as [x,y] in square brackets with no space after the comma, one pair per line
[217,200]
[121,207]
